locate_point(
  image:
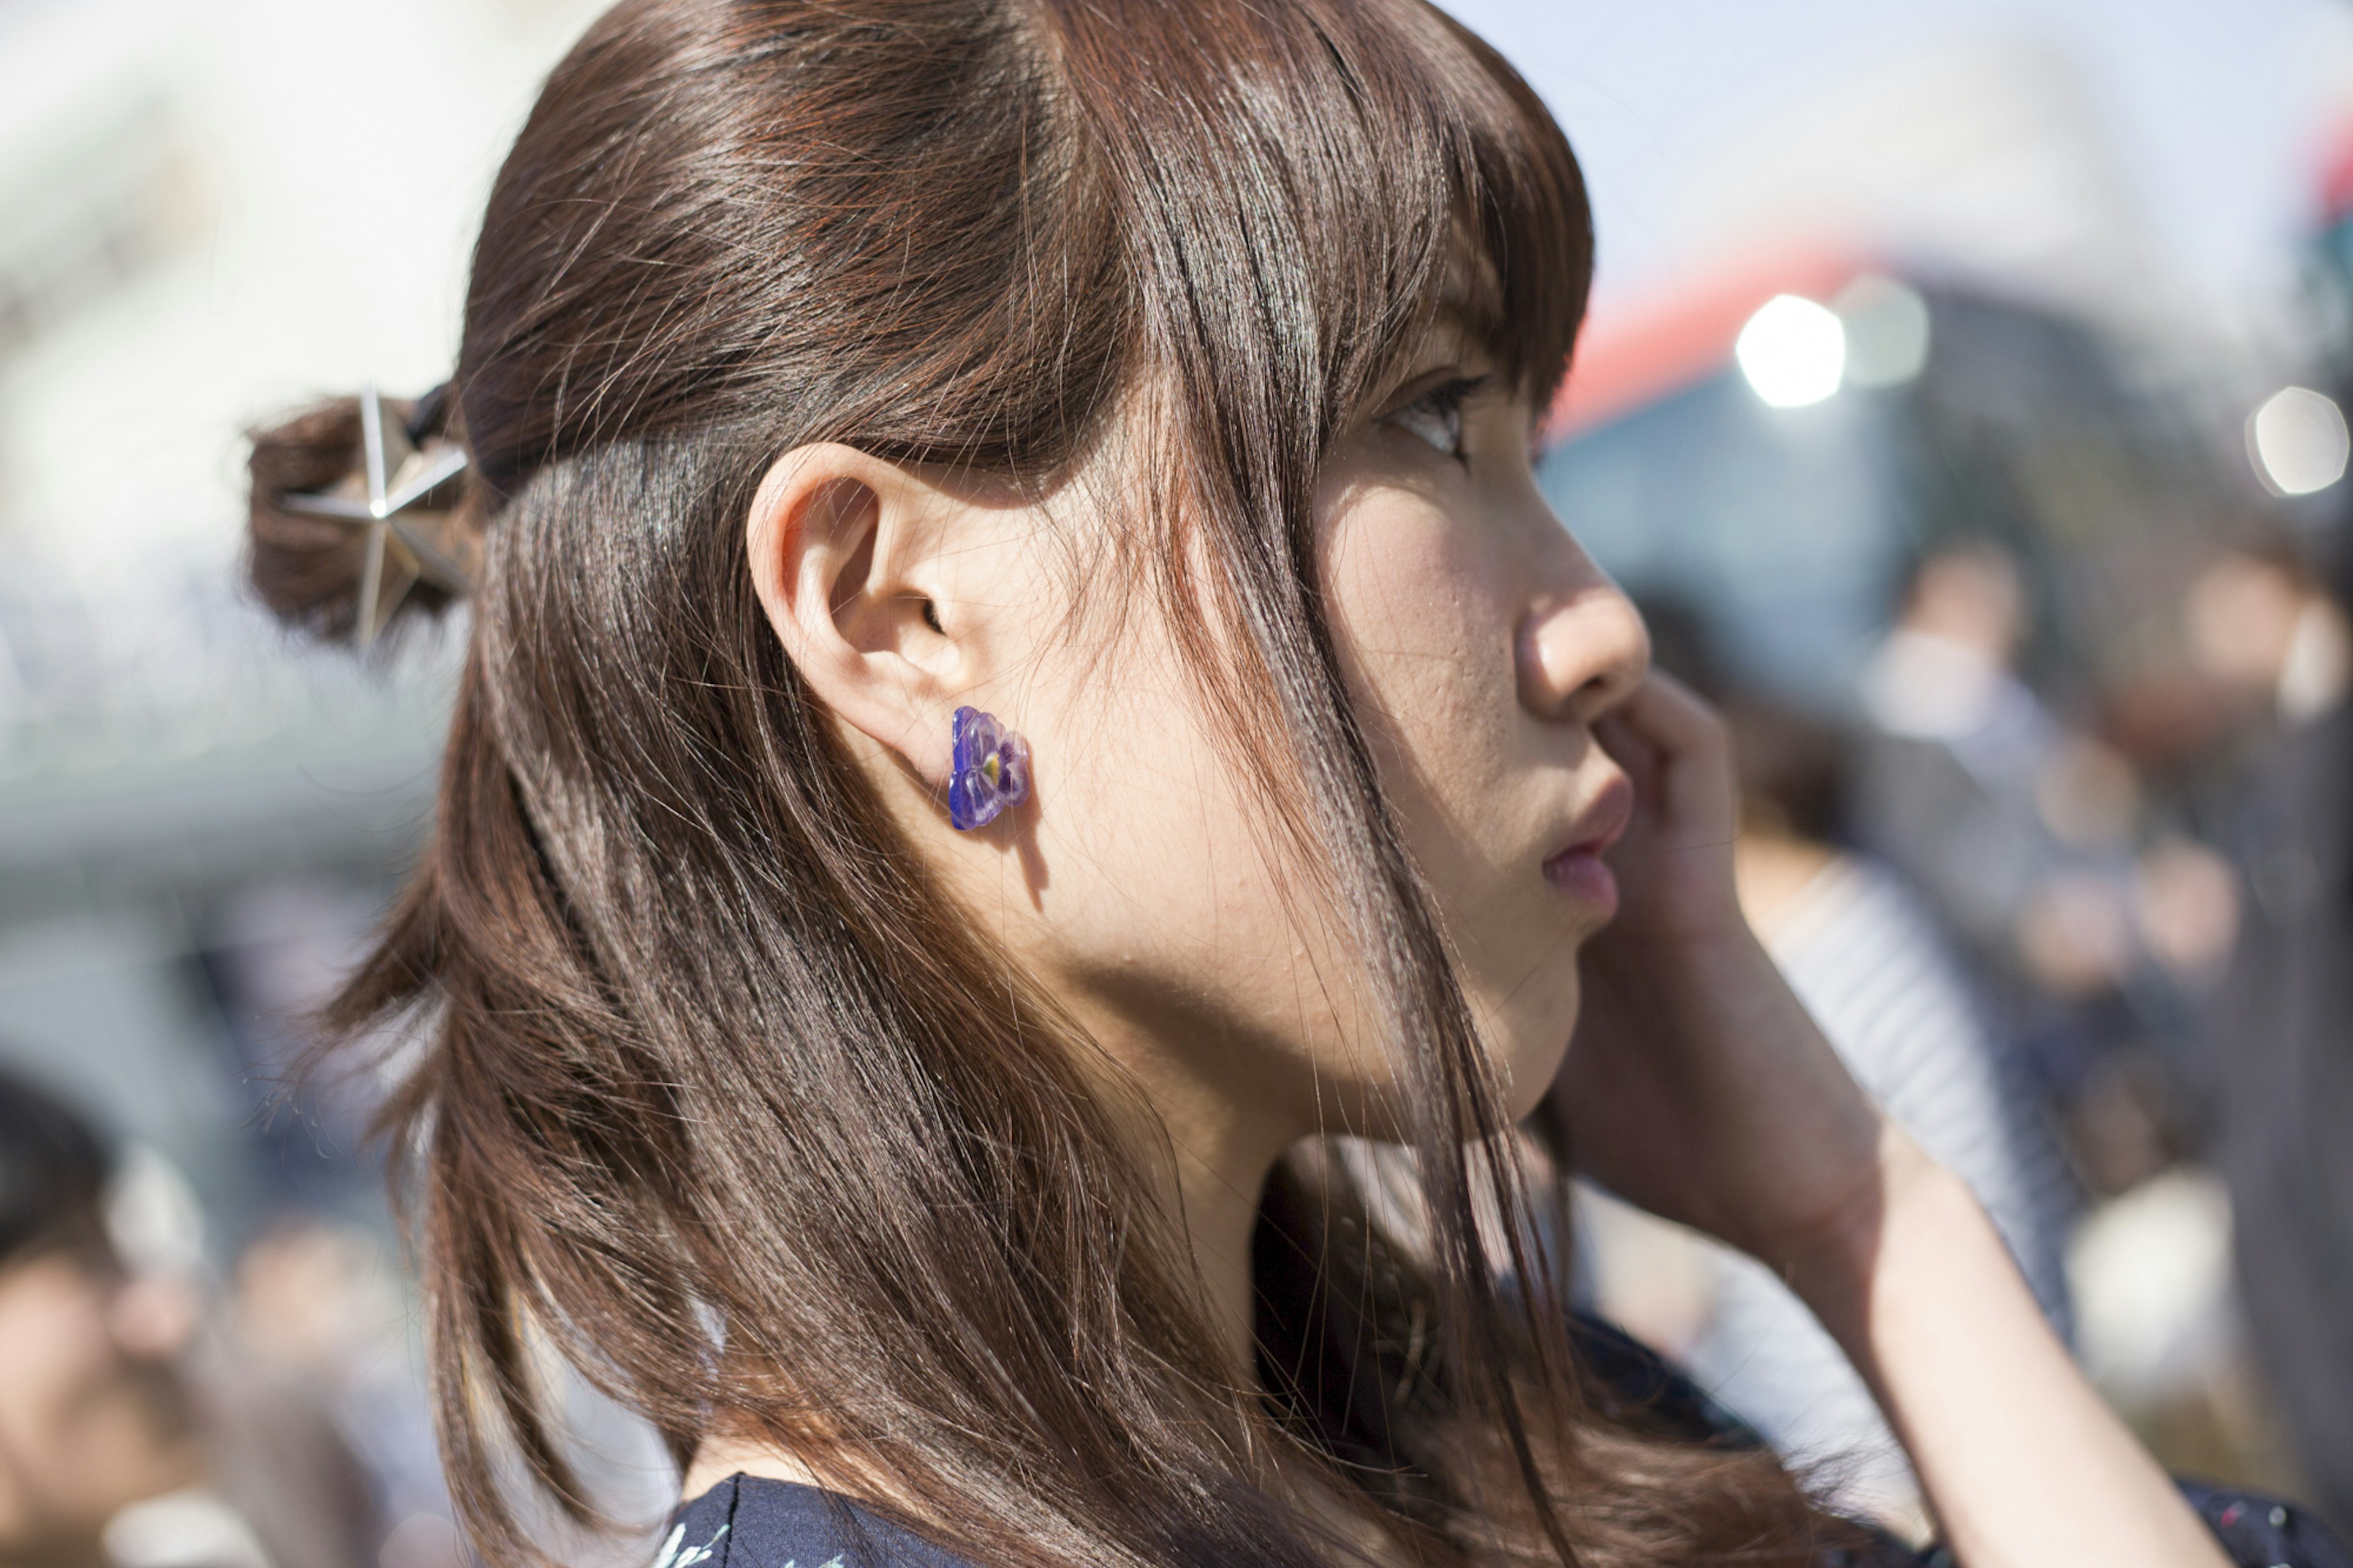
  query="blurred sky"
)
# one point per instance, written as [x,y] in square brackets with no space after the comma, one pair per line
[2215,110]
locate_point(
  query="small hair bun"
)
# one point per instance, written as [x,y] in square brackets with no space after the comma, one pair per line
[324,560]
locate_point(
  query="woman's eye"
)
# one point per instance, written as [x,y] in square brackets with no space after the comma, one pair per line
[1437,416]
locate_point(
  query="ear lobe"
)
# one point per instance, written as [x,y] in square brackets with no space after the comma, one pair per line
[841,545]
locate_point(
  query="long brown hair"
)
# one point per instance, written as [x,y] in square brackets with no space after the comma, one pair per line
[718,1093]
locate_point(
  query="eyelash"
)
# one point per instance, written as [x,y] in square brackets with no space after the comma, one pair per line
[1436,416]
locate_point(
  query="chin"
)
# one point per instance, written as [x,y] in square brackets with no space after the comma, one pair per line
[1530,1067]
[1529,1053]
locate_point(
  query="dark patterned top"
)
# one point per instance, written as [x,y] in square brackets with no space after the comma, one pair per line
[747,1521]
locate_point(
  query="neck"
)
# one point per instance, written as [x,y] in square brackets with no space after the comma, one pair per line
[1208,1159]
[1220,1168]
[1168,1080]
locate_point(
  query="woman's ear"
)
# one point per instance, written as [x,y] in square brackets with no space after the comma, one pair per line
[846,557]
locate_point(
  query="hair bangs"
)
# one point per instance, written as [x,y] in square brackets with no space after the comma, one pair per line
[1304,184]
[1522,199]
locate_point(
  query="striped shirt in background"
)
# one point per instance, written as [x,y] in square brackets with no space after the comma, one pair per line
[1866,960]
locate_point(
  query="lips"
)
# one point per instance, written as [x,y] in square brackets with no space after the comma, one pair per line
[1579,870]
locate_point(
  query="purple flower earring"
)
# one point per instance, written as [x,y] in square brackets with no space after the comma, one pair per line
[990,773]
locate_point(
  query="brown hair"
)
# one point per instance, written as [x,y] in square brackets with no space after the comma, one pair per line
[718,1094]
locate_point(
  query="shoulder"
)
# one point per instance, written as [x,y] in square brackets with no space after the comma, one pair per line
[749,1521]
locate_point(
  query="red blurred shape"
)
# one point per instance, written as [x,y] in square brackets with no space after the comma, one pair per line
[1636,354]
[2336,175]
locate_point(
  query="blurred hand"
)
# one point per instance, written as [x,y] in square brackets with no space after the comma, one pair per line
[1696,1086]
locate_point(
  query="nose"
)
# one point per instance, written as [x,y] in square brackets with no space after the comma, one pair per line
[1582,649]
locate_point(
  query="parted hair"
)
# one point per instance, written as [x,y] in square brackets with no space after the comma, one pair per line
[718,1095]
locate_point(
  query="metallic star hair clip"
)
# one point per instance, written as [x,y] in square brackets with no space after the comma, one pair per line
[407,544]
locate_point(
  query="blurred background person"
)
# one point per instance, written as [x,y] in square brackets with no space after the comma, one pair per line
[2027,835]
[2283,1041]
[122,1441]
[92,1417]
[2013,826]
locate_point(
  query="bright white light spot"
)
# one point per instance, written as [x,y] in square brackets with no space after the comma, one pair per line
[2297,441]
[1792,350]
[1886,331]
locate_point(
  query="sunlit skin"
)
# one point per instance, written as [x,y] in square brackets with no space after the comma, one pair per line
[1571,813]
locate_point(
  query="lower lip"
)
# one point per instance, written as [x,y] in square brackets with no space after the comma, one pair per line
[1583,876]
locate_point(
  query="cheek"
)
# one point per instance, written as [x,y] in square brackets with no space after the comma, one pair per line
[1425,612]
[1425,641]
[1146,894]
[1424,617]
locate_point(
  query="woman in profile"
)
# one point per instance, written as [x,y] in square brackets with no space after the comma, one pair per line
[1035,800]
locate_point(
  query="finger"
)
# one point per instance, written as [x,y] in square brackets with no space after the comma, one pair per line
[1632,751]
[1672,716]
[1690,764]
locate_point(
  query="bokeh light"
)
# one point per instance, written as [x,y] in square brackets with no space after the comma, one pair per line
[2297,441]
[1886,331]
[1793,351]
